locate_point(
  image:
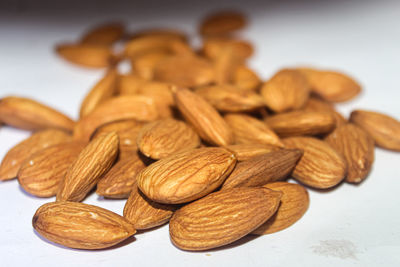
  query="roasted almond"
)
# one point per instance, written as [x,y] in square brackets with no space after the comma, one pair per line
[357,147]
[222,23]
[93,161]
[222,217]
[166,137]
[384,129]
[86,55]
[263,169]
[207,122]
[82,226]
[27,114]
[144,213]
[320,166]
[246,151]
[17,155]
[294,203]
[42,173]
[301,123]
[186,176]
[105,34]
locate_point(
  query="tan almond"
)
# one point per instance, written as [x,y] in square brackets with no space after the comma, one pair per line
[207,122]
[103,90]
[42,173]
[320,166]
[93,161]
[222,217]
[166,137]
[294,203]
[330,85]
[246,79]
[357,147]
[186,176]
[213,47]
[319,105]
[222,23]
[225,65]
[105,34]
[117,108]
[162,95]
[130,84]
[286,90]
[28,114]
[263,169]
[17,155]
[82,226]
[385,130]
[86,55]
[144,213]
[300,122]
[249,130]
[172,33]
[119,181]
[145,64]
[228,98]
[246,151]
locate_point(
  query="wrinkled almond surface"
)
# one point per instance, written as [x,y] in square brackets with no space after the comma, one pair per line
[247,151]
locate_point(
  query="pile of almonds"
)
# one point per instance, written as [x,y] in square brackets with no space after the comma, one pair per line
[189,136]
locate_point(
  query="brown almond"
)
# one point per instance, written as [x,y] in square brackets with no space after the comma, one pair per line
[172,33]
[42,173]
[225,65]
[166,137]
[86,55]
[294,203]
[82,226]
[245,78]
[93,161]
[286,90]
[263,169]
[249,130]
[222,217]
[222,23]
[301,123]
[105,34]
[27,114]
[145,64]
[246,151]
[320,166]
[144,213]
[130,84]
[213,47]
[319,105]
[207,122]
[162,95]
[384,129]
[17,155]
[186,176]
[357,147]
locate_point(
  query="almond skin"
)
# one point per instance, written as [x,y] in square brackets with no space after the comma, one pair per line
[166,137]
[222,23]
[94,160]
[204,118]
[186,176]
[82,226]
[214,46]
[42,173]
[162,95]
[357,147]
[246,79]
[294,203]
[320,166]
[27,114]
[144,213]
[129,84]
[246,151]
[145,64]
[249,130]
[119,181]
[263,169]
[222,217]
[17,155]
[301,123]
[286,90]
[318,105]
[105,34]
[384,129]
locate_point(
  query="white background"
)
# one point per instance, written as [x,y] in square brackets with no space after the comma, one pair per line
[348,226]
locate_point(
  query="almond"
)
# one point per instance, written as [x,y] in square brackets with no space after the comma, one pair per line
[225,64]
[320,166]
[42,173]
[166,137]
[222,23]
[130,84]
[17,155]
[213,47]
[249,130]
[86,55]
[145,64]
[318,105]
[94,160]
[186,176]
[205,119]
[246,151]
[263,169]
[144,213]
[294,203]
[222,217]
[162,95]
[384,129]
[27,114]
[82,226]
[119,181]
[301,123]
[106,34]
[245,78]
[286,90]
[357,147]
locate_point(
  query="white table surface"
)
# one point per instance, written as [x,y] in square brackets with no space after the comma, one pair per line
[348,226]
